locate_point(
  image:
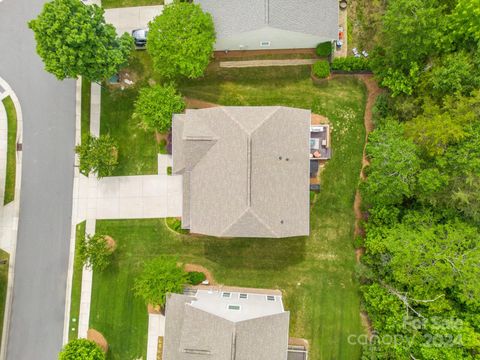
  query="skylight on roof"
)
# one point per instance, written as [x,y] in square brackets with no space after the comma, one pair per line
[234,307]
[243,296]
[226,295]
[270,298]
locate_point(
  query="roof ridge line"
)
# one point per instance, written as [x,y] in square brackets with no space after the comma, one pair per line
[277,108]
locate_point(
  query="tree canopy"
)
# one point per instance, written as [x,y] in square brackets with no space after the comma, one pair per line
[95,252]
[74,40]
[155,106]
[81,349]
[160,277]
[180,41]
[98,155]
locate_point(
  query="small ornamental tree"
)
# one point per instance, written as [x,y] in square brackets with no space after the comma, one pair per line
[160,276]
[73,39]
[180,41]
[98,155]
[155,106]
[95,252]
[81,349]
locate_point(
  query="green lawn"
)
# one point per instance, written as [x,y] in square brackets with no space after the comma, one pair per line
[126,3]
[85,125]
[11,150]
[316,274]
[137,148]
[3,286]
[76,284]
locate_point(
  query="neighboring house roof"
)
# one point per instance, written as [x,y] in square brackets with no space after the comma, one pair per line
[313,17]
[202,326]
[245,170]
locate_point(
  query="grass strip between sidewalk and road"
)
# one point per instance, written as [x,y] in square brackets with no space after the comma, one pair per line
[4,256]
[108,4]
[86,99]
[76,284]
[9,195]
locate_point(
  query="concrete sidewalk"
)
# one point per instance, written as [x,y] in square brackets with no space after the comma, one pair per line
[9,214]
[156,329]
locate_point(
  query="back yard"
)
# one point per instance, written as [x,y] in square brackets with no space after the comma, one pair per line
[316,274]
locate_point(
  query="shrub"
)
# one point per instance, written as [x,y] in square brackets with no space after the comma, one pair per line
[321,69]
[81,349]
[169,170]
[351,63]
[324,49]
[196,277]
[160,277]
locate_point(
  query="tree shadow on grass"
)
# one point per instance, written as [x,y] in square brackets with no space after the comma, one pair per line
[255,253]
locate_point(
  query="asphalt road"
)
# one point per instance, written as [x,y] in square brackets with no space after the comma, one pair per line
[48,107]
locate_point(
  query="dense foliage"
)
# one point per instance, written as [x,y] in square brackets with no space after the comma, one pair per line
[321,69]
[196,277]
[98,155]
[324,49]
[81,349]
[350,63]
[73,39]
[160,277]
[156,105]
[95,252]
[181,40]
[420,273]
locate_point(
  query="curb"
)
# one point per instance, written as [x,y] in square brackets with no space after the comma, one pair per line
[16,204]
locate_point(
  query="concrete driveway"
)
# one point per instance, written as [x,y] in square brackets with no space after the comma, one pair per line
[130,18]
[128,197]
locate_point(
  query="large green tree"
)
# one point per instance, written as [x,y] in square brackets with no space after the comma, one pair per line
[394,164]
[74,40]
[160,277]
[180,41]
[155,106]
[81,349]
[95,251]
[413,30]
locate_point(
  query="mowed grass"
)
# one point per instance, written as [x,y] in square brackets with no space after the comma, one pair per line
[85,117]
[138,149]
[76,284]
[316,274]
[4,256]
[9,194]
[107,4]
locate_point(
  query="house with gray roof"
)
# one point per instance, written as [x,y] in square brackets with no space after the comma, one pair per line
[226,323]
[272,24]
[245,170]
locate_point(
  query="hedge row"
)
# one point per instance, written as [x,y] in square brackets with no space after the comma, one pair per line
[351,63]
[321,69]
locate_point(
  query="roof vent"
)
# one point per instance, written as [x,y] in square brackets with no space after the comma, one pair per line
[270,298]
[234,307]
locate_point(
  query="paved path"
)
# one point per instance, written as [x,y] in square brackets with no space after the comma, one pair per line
[130,18]
[156,328]
[48,108]
[261,63]
[342,24]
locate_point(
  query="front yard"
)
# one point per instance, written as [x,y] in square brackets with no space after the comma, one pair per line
[316,274]
[107,4]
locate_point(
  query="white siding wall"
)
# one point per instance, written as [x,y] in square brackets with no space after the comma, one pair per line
[279,39]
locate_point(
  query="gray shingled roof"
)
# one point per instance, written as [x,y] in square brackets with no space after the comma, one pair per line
[246,170]
[313,17]
[193,333]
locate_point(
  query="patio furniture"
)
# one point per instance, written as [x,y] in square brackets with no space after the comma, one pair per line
[324,142]
[317,154]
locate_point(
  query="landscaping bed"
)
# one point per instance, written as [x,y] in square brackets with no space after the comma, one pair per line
[4,256]
[316,274]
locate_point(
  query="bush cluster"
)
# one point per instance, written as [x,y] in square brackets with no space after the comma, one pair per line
[351,63]
[195,277]
[321,69]
[324,49]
